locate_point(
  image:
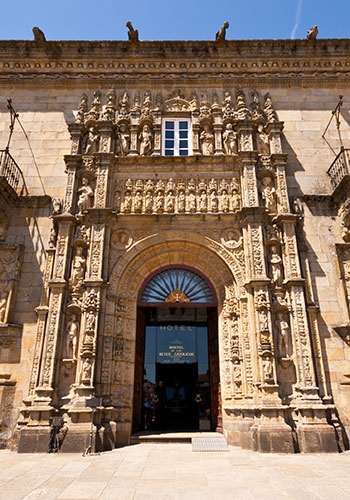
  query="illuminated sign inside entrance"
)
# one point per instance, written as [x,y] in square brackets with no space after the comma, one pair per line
[176,344]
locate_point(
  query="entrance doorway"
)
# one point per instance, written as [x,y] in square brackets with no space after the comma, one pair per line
[176,386]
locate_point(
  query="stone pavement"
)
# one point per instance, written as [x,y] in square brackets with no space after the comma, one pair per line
[173,471]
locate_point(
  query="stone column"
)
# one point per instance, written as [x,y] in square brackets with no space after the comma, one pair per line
[106,142]
[72,164]
[157,133]
[195,133]
[76,134]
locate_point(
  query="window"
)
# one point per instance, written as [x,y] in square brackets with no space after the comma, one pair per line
[176,137]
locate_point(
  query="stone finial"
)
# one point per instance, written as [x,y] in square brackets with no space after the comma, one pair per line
[221,34]
[38,35]
[132,34]
[312,33]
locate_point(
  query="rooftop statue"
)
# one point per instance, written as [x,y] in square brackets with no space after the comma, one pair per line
[312,33]
[132,34]
[38,35]
[221,34]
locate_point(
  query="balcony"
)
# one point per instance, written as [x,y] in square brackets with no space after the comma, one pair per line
[339,171]
[12,181]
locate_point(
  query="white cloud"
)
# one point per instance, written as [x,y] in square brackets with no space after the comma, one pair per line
[297,19]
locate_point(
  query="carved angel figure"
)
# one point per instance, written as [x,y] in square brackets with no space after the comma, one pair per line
[207,141]
[72,333]
[268,194]
[145,141]
[229,139]
[86,195]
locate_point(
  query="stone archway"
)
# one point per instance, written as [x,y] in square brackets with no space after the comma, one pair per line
[138,262]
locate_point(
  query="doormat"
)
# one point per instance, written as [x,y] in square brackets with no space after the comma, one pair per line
[216,443]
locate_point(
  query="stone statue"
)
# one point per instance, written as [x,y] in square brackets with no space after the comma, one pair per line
[229,139]
[3,306]
[72,332]
[38,35]
[148,202]
[262,141]
[283,338]
[92,140]
[78,269]
[170,202]
[276,266]
[159,202]
[233,239]
[53,236]
[207,140]
[86,195]
[225,201]
[109,111]
[203,201]
[83,108]
[267,369]
[86,371]
[312,33]
[132,34]
[145,141]
[213,201]
[56,206]
[124,106]
[221,34]
[268,194]
[123,140]
[90,320]
[182,201]
[192,202]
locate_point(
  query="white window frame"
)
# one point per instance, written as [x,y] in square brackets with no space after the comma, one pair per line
[177,135]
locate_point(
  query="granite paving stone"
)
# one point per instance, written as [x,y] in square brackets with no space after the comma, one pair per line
[173,472]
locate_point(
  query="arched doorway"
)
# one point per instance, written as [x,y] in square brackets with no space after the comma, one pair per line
[176,384]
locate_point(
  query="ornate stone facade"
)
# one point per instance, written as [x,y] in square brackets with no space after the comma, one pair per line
[129,209]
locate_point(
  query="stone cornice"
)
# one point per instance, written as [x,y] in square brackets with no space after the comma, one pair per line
[250,62]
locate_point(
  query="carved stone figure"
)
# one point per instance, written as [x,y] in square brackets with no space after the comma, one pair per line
[267,369]
[3,306]
[83,108]
[276,266]
[207,140]
[268,109]
[213,201]
[283,337]
[72,337]
[78,269]
[38,35]
[257,113]
[170,202]
[53,235]
[145,141]
[202,201]
[312,33]
[159,202]
[92,140]
[192,202]
[127,204]
[86,195]
[233,239]
[225,201]
[229,140]
[123,140]
[243,112]
[182,201]
[221,34]
[90,320]
[262,141]
[138,201]
[148,202]
[132,33]
[86,371]
[268,194]
[56,206]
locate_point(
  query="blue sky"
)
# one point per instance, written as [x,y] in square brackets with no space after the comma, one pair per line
[173,19]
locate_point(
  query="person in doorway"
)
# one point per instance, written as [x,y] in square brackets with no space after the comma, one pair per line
[161,405]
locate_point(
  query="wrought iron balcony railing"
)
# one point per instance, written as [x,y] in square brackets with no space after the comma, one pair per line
[10,171]
[340,167]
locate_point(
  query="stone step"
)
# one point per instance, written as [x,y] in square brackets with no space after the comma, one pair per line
[146,437]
